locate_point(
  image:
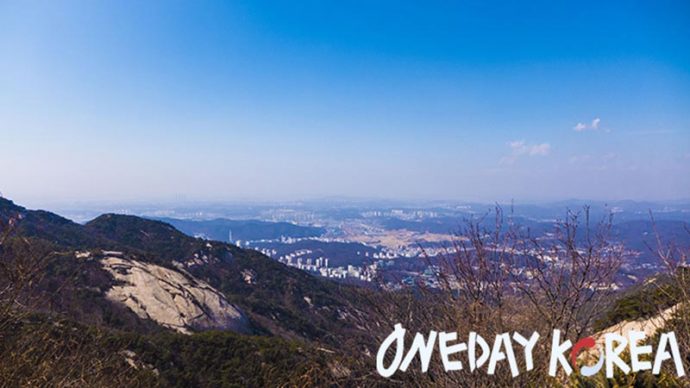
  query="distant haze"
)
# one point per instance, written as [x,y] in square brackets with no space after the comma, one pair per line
[128,100]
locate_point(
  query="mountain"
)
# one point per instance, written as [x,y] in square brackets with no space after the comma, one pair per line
[641,235]
[45,225]
[281,299]
[143,277]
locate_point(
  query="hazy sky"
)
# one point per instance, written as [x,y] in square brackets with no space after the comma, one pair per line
[481,100]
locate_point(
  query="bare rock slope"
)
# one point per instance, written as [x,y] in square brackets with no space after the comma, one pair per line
[172,298]
[649,326]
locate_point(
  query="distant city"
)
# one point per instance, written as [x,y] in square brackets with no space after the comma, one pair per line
[399,244]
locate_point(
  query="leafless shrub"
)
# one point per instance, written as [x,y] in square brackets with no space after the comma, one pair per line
[500,279]
[44,350]
[673,287]
[21,268]
[572,275]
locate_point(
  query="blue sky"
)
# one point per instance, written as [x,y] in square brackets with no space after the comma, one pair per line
[483,100]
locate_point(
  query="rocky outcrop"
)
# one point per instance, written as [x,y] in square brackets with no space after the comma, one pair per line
[649,326]
[172,298]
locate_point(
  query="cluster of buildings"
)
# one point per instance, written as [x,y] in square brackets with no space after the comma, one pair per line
[403,214]
[429,278]
[308,264]
[320,266]
[267,251]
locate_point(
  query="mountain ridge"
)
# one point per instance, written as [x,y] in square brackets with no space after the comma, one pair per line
[278,299]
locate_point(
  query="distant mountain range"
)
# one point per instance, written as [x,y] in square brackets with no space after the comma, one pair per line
[234,230]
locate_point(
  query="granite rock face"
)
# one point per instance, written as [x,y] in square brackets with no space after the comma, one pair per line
[172,298]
